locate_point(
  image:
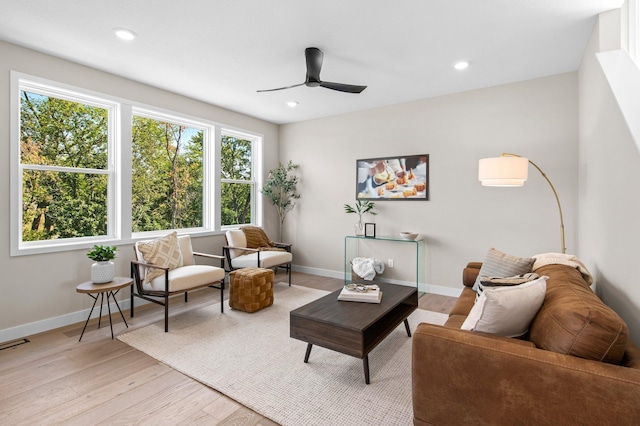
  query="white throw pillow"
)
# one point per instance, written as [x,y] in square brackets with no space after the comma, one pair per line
[507,311]
[163,251]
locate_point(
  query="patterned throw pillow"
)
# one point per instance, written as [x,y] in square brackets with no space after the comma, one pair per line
[498,264]
[163,251]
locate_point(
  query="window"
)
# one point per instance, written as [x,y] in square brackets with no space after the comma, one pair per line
[88,169]
[64,165]
[167,168]
[238,186]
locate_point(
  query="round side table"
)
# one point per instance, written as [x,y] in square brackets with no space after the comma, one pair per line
[96,291]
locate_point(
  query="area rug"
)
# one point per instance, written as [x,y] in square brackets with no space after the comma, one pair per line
[251,359]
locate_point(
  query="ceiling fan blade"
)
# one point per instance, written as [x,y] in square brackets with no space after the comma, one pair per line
[280,88]
[348,88]
[314,63]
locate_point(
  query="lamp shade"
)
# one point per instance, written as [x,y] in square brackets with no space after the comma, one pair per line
[503,171]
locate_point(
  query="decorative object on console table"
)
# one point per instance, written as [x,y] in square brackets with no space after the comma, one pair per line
[103,270]
[513,170]
[370,230]
[361,207]
[408,235]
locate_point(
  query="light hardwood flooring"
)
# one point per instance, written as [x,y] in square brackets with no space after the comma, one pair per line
[54,379]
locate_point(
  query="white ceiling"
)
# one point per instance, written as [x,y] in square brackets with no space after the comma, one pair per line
[221,52]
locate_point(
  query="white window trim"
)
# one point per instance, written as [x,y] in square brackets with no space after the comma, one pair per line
[20,82]
[208,162]
[257,215]
[634,30]
[119,222]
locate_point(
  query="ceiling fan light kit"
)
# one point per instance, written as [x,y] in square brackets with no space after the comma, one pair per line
[314,58]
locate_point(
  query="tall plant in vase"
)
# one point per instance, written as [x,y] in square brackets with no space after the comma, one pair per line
[280,189]
[361,207]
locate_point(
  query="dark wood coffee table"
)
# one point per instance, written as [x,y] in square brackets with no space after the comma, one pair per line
[353,328]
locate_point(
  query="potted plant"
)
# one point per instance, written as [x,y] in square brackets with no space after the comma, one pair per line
[361,207]
[280,189]
[103,270]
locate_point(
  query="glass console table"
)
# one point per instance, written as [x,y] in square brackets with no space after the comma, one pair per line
[415,248]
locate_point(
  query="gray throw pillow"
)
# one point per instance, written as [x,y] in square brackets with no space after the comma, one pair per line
[499,264]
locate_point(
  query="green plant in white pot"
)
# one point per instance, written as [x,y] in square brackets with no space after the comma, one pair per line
[103,270]
[361,207]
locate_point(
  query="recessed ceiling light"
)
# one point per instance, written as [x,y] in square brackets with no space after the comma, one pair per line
[461,65]
[124,34]
[292,104]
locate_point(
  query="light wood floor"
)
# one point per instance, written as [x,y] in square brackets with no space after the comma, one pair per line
[54,379]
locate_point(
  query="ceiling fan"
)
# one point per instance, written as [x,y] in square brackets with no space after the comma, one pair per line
[314,64]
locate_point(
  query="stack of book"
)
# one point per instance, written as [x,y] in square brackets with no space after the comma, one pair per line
[371,295]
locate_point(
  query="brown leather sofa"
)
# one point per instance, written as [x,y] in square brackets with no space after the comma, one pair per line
[576,365]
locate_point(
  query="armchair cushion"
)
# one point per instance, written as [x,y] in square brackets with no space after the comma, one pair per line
[163,251]
[268,259]
[186,250]
[236,238]
[186,277]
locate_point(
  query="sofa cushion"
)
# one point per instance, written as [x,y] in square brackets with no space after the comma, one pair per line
[499,264]
[507,310]
[574,321]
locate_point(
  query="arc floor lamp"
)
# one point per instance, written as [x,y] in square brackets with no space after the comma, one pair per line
[513,170]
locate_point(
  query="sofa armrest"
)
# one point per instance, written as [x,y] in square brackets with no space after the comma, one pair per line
[461,377]
[470,273]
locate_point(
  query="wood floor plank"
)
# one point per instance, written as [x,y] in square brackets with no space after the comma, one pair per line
[176,410]
[242,417]
[222,408]
[100,395]
[169,401]
[119,405]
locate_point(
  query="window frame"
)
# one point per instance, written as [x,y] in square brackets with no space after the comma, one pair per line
[207,161]
[119,192]
[634,30]
[255,182]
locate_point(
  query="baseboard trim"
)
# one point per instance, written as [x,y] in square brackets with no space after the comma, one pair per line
[48,324]
[63,320]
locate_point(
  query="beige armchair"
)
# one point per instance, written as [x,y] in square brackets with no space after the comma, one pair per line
[166,266]
[249,246]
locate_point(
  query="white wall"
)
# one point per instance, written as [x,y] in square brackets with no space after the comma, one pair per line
[38,291]
[536,118]
[609,180]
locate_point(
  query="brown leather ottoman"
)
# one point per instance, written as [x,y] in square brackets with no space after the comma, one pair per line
[251,289]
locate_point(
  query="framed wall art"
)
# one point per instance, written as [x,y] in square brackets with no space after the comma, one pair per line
[393,178]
